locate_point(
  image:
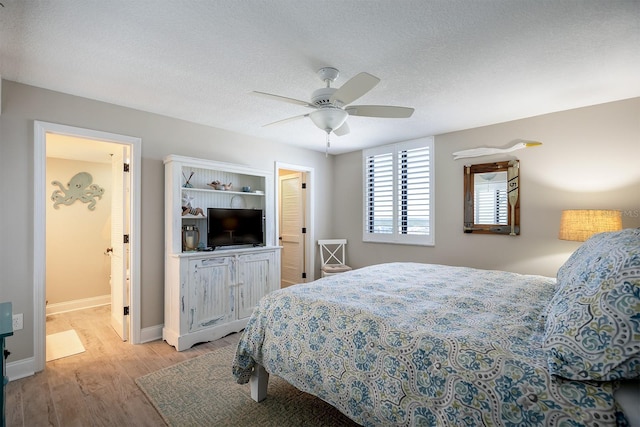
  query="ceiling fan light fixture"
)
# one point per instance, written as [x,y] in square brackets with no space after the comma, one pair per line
[328,119]
[332,106]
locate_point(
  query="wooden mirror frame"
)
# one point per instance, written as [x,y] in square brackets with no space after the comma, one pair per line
[512,167]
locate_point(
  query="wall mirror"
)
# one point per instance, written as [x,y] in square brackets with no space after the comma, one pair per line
[492,198]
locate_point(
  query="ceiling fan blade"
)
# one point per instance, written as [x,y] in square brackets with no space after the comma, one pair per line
[283,98]
[290,119]
[384,111]
[342,130]
[354,88]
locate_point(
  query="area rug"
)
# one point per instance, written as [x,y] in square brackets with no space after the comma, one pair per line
[202,392]
[63,344]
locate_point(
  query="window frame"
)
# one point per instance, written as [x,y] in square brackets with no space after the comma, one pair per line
[396,237]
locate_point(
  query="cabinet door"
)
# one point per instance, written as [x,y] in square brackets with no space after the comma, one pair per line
[209,292]
[256,278]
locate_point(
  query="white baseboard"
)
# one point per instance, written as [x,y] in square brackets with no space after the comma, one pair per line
[26,367]
[21,368]
[152,333]
[78,304]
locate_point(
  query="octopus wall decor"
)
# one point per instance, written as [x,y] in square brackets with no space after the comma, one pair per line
[80,187]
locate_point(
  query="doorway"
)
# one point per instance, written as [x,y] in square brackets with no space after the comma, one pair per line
[294,192]
[81,145]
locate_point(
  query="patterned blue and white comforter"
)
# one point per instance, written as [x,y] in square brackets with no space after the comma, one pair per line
[421,344]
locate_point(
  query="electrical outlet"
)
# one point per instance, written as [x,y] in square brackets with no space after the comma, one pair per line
[17,322]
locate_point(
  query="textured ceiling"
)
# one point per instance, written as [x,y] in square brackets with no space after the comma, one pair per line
[460,64]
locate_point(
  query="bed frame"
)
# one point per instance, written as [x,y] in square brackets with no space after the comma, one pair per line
[259,382]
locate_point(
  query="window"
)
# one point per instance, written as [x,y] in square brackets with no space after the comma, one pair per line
[398,181]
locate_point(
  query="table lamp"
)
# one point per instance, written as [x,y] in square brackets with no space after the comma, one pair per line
[580,224]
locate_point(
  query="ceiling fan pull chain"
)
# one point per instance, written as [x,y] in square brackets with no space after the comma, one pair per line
[326,152]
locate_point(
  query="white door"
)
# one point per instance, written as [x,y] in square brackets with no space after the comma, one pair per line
[119,255]
[292,239]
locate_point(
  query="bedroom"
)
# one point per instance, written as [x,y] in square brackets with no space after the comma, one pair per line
[588,160]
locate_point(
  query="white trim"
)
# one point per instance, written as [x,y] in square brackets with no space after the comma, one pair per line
[78,304]
[39,224]
[21,368]
[39,252]
[152,333]
[310,213]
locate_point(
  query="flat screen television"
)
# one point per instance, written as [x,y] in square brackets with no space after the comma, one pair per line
[228,227]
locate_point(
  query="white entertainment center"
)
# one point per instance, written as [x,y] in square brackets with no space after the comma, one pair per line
[211,292]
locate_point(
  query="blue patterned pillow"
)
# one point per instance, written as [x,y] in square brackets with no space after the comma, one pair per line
[592,330]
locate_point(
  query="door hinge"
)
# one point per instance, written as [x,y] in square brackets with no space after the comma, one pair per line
[126,167]
[304,185]
[126,238]
[304,230]
[304,275]
[126,310]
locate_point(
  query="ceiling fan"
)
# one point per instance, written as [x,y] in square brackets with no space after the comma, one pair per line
[331,106]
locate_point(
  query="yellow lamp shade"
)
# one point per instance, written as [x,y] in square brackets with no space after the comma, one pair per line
[580,224]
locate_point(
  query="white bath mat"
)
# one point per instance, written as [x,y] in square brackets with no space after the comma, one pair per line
[63,344]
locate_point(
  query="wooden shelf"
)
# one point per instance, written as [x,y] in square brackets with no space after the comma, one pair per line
[210,190]
[194,217]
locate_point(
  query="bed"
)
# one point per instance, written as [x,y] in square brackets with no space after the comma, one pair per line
[424,344]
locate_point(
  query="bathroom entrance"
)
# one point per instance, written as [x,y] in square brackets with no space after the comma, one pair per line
[90,220]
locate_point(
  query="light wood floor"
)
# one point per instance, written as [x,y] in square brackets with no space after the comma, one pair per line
[95,388]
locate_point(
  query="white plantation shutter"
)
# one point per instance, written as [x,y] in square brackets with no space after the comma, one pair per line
[379,191]
[398,192]
[414,190]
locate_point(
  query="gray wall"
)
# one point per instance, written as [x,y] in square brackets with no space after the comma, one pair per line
[22,104]
[76,266]
[590,159]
